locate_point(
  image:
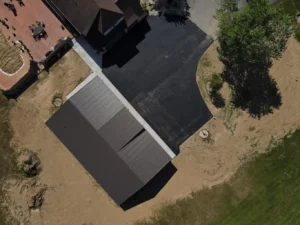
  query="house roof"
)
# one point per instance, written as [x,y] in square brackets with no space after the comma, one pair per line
[82,13]
[108,140]
[107,19]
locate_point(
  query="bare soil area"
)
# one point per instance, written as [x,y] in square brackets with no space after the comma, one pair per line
[28,118]
[62,78]
[234,134]
[73,197]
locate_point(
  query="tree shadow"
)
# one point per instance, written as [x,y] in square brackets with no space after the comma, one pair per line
[218,100]
[253,89]
[174,11]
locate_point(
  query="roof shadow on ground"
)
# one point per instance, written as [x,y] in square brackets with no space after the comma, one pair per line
[151,189]
[127,46]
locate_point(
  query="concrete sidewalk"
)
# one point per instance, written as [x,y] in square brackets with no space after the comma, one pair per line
[87,53]
[202,14]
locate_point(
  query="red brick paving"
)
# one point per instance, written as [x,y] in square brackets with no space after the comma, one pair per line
[34,10]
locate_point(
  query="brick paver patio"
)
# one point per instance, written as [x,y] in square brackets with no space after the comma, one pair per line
[34,10]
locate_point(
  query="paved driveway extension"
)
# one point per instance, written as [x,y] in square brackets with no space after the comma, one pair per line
[160,80]
[202,14]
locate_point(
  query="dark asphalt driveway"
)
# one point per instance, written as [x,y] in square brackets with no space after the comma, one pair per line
[154,67]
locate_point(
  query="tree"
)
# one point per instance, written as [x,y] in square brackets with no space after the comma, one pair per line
[254,34]
[228,5]
[249,39]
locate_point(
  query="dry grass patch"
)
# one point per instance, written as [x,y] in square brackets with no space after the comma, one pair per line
[8,167]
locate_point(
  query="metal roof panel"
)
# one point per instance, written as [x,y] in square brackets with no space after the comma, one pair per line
[103,163]
[144,156]
[97,103]
[120,129]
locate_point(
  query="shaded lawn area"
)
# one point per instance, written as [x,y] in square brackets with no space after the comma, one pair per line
[264,191]
[291,7]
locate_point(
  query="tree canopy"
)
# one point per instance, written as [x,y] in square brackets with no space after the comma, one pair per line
[249,39]
[253,34]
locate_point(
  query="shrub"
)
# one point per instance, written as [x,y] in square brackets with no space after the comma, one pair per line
[144,6]
[216,82]
[205,61]
[254,34]
[31,165]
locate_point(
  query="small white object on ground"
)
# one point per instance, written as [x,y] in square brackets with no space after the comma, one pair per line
[204,134]
[57,102]
[208,87]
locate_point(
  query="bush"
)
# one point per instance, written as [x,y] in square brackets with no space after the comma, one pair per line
[31,165]
[257,33]
[205,61]
[228,6]
[216,82]
[144,6]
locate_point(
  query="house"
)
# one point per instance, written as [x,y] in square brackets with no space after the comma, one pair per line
[109,138]
[101,22]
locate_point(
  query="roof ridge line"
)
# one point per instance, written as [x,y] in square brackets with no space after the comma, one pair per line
[110,10]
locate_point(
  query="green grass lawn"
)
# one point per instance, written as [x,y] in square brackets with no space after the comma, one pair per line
[291,7]
[264,191]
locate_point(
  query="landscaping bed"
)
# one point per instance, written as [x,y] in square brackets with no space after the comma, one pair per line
[10,57]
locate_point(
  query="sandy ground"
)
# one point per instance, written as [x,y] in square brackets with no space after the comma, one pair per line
[61,79]
[30,113]
[73,197]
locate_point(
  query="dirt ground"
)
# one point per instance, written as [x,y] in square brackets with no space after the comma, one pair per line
[73,197]
[62,78]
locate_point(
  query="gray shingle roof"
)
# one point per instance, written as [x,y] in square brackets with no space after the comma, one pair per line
[83,13]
